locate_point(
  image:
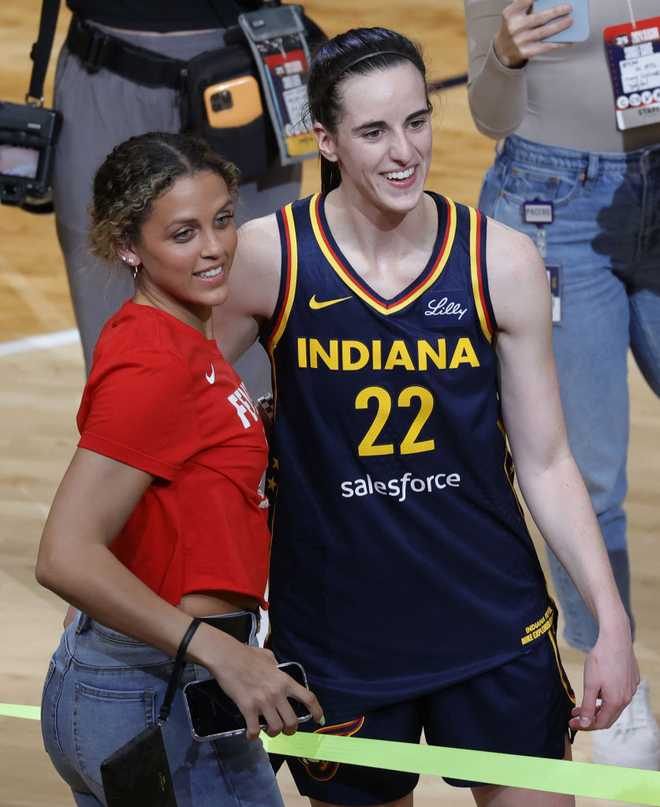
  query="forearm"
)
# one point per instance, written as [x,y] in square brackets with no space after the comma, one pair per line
[497,96]
[561,507]
[91,578]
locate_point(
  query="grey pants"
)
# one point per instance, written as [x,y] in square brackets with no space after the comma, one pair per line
[101,110]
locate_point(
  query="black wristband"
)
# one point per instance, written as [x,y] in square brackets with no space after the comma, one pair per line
[179,661]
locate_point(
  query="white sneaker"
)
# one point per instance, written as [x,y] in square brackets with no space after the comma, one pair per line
[633,741]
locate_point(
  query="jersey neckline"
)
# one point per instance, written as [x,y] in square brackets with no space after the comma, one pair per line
[446,230]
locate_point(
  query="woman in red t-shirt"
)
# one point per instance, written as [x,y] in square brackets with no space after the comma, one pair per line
[160,517]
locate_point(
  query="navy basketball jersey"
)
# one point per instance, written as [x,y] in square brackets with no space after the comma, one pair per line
[400,559]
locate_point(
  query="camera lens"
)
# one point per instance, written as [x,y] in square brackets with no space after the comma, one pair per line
[221,100]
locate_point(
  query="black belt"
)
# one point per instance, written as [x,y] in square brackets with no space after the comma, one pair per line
[96,49]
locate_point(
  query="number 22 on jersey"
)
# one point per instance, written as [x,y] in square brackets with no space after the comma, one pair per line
[408,398]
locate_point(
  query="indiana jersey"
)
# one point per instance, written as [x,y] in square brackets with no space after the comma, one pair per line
[400,560]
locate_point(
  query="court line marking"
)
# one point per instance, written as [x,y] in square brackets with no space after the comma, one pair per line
[550,775]
[43,341]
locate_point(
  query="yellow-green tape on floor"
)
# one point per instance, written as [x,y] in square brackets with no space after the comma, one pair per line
[552,775]
[555,776]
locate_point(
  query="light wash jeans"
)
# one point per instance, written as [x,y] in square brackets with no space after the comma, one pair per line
[103,688]
[606,240]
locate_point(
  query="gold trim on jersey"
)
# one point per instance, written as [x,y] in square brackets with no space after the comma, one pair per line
[362,291]
[560,667]
[291,279]
[476,269]
[509,467]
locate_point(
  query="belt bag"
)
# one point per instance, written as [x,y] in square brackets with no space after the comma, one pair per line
[245,99]
[221,101]
[249,99]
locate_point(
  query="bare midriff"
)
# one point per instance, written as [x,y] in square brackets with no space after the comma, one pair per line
[213,603]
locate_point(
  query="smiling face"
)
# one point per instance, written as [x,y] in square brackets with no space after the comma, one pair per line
[186,247]
[382,142]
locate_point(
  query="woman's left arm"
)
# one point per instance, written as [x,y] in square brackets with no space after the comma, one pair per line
[547,473]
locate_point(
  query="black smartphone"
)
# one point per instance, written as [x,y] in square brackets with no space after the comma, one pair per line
[213,714]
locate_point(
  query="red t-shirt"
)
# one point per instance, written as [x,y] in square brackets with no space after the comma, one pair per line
[161,398]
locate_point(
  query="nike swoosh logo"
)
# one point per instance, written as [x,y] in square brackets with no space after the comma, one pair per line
[317,305]
[210,377]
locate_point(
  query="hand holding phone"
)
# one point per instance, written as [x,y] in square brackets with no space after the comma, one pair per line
[251,678]
[527,28]
[577,31]
[213,714]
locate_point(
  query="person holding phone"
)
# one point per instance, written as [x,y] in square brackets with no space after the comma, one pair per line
[578,170]
[410,344]
[160,516]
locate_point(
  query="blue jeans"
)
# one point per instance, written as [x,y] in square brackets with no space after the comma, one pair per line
[605,238]
[103,688]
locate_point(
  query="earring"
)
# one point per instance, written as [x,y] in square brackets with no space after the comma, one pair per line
[131,263]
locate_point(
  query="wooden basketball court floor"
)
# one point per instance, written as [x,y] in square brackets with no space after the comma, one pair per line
[41,389]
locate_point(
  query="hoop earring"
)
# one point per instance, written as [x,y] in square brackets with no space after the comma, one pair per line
[136,269]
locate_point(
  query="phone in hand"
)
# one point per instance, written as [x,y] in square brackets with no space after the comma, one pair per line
[214,715]
[579,30]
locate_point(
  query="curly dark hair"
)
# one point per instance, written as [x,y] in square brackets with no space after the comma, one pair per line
[135,174]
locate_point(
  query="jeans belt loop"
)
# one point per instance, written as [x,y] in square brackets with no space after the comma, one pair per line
[593,166]
[83,623]
[646,160]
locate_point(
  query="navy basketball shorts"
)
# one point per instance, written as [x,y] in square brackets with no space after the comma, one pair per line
[522,707]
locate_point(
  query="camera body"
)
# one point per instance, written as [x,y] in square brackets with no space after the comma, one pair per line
[28,135]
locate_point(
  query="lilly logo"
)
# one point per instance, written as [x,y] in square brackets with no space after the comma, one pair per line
[444,308]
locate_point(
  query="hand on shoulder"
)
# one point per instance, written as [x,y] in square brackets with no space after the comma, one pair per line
[254,281]
[255,274]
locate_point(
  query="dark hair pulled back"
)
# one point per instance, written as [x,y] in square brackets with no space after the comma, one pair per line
[135,174]
[355,52]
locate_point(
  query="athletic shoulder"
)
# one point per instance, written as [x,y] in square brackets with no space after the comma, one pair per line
[259,241]
[516,275]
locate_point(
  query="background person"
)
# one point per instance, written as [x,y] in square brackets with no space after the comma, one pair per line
[407,334]
[554,105]
[101,108]
[159,516]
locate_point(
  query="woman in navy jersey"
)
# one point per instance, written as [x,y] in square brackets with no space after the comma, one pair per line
[410,345]
[160,516]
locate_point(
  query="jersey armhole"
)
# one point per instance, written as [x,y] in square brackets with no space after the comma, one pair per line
[272,331]
[479,274]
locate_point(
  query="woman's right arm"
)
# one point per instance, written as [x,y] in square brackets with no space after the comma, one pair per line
[254,280]
[92,504]
[501,38]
